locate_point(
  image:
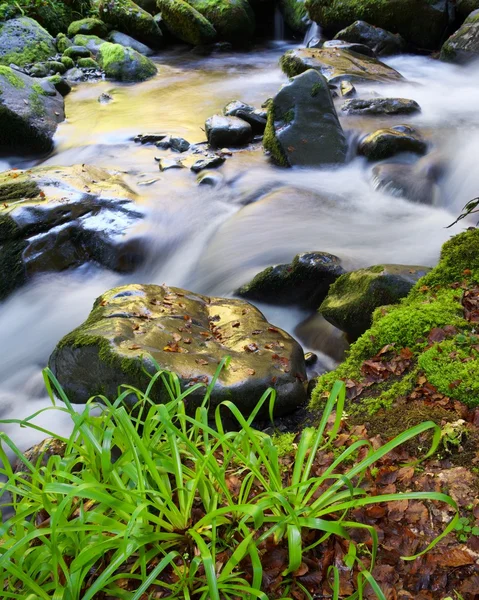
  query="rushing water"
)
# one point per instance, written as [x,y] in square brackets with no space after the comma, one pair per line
[213,240]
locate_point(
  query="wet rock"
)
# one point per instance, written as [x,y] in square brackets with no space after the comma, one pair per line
[55,66]
[24,41]
[227,131]
[88,26]
[179,144]
[187,334]
[116,37]
[465,7]
[105,98]
[463,46]
[170,163]
[91,42]
[61,85]
[39,70]
[381,106]
[304,282]
[233,20]
[412,182]
[124,64]
[62,42]
[75,52]
[186,23]
[57,218]
[347,89]
[385,143]
[128,17]
[337,64]
[211,178]
[75,75]
[303,128]
[232,108]
[350,46]
[165,143]
[316,42]
[48,88]
[87,63]
[28,116]
[382,42]
[353,298]
[209,162]
[420,22]
[257,120]
[149,138]
[295,15]
[68,62]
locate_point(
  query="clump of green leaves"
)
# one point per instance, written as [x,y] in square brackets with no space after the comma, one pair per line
[155,499]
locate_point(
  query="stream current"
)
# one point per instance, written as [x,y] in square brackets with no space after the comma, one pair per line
[212,240]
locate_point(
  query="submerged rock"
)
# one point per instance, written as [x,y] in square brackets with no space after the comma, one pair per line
[227,131]
[124,64]
[353,298]
[382,42]
[57,218]
[24,41]
[381,106]
[233,20]
[420,22]
[385,143]
[186,23]
[187,334]
[29,115]
[209,162]
[463,46]
[337,64]
[128,17]
[303,128]
[412,182]
[304,282]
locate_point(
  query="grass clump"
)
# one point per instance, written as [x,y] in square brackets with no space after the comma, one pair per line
[159,501]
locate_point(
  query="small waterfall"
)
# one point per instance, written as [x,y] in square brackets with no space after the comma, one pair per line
[314,31]
[278,25]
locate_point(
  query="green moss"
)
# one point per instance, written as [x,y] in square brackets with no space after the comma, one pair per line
[317,87]
[89,26]
[291,64]
[55,79]
[35,101]
[295,15]
[233,20]
[12,78]
[270,143]
[186,23]
[288,116]
[37,88]
[124,64]
[87,63]
[284,443]
[128,17]
[68,62]
[29,55]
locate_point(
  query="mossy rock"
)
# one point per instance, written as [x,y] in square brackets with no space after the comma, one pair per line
[303,128]
[53,16]
[337,64]
[304,282]
[381,42]
[87,63]
[89,26]
[420,22]
[23,41]
[432,325]
[188,334]
[385,143]
[28,114]
[90,42]
[233,20]
[463,46]
[295,15]
[465,7]
[354,297]
[186,23]
[75,52]
[124,64]
[62,42]
[68,62]
[128,17]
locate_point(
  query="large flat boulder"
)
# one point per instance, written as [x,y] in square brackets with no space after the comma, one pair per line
[24,41]
[187,334]
[29,113]
[303,128]
[463,46]
[56,218]
[337,64]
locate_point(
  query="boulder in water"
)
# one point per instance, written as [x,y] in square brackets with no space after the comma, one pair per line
[385,143]
[233,20]
[336,65]
[187,334]
[90,26]
[186,23]
[420,22]
[304,282]
[128,17]
[380,106]
[463,46]
[24,41]
[124,64]
[211,161]
[354,297]
[29,115]
[303,128]
[57,218]
[412,182]
[224,131]
[382,42]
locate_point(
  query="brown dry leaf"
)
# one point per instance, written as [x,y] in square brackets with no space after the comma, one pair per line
[454,557]
[303,569]
[201,361]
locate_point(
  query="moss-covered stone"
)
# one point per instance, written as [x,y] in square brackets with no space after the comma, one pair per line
[68,62]
[434,303]
[233,20]
[91,42]
[421,22]
[295,15]
[385,143]
[463,46]
[87,63]
[186,23]
[128,17]
[89,26]
[62,42]
[124,64]
[23,41]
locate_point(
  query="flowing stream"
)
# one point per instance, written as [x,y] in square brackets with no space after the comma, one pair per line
[212,240]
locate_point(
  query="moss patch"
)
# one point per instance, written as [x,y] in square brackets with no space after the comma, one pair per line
[186,23]
[9,75]
[270,143]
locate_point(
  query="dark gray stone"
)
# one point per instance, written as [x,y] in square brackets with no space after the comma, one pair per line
[227,131]
[385,143]
[382,42]
[351,47]
[209,162]
[24,41]
[76,52]
[381,106]
[463,46]
[179,144]
[116,37]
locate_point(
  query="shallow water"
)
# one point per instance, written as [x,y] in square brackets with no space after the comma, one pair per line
[213,240]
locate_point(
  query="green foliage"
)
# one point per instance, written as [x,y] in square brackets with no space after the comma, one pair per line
[12,78]
[465,528]
[270,142]
[54,15]
[145,498]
